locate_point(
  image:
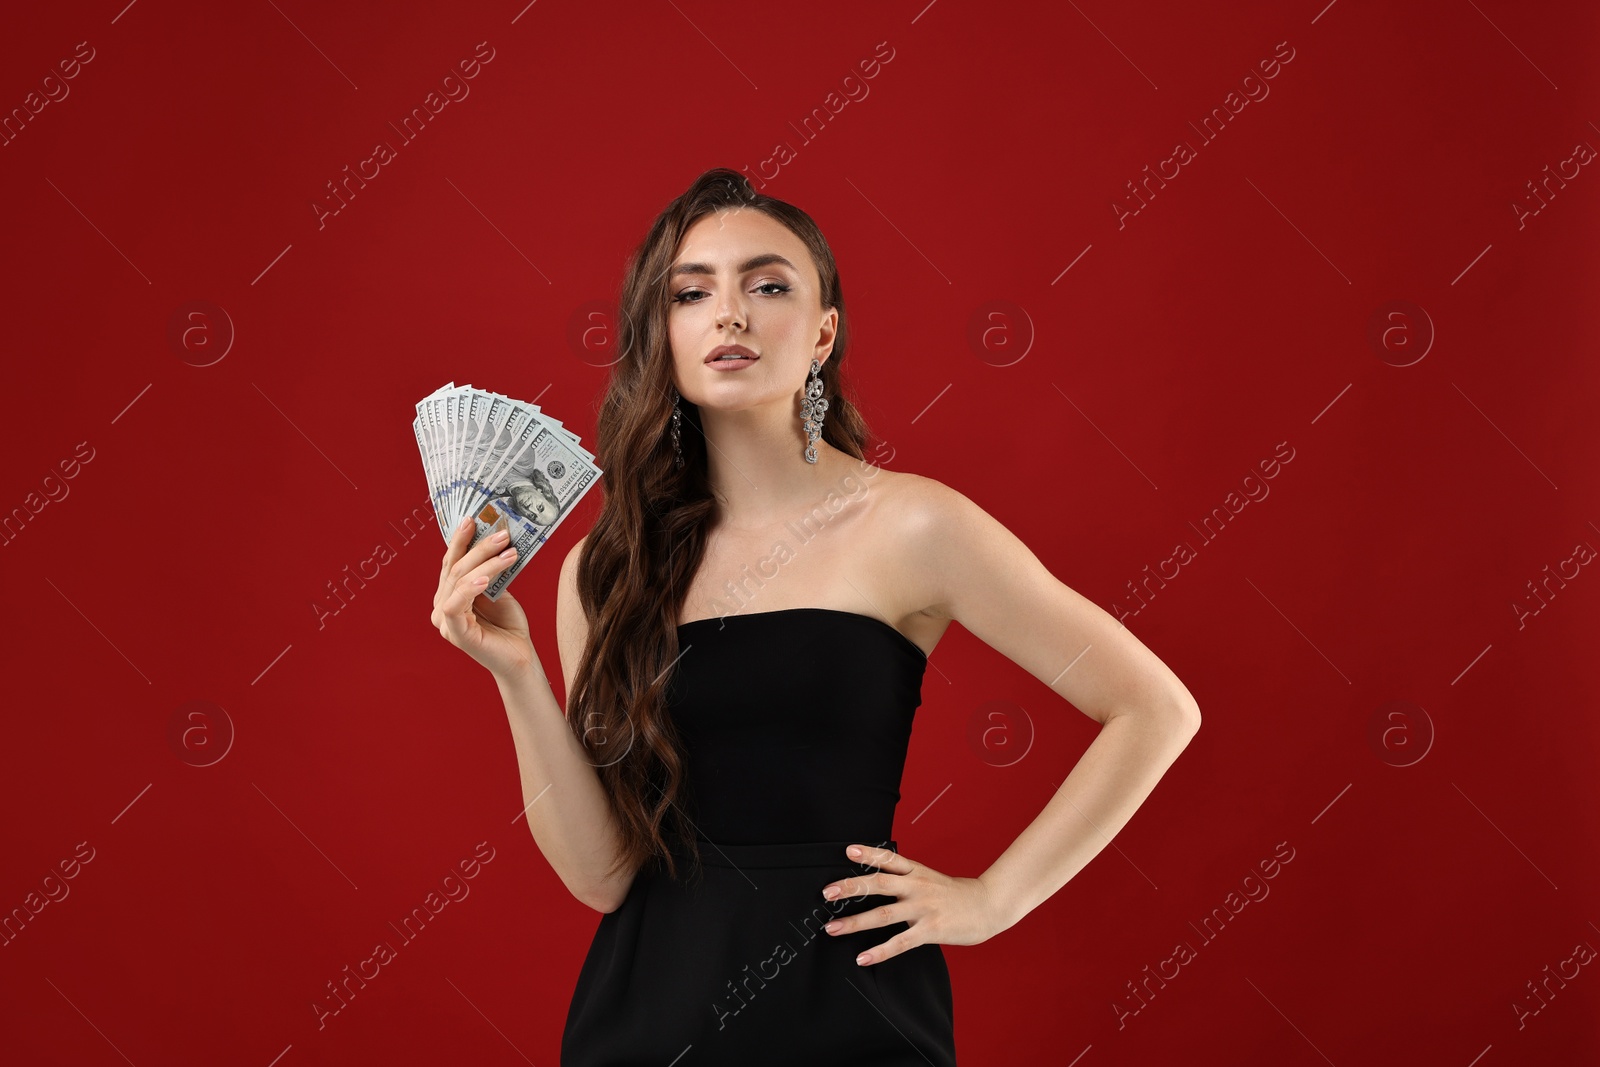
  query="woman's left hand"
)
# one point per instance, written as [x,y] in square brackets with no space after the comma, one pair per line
[939,908]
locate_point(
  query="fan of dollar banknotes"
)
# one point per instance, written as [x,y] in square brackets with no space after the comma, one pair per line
[505,463]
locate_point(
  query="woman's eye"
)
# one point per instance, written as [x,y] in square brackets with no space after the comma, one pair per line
[688,295]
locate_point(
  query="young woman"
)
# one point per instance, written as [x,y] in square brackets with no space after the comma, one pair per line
[743,635]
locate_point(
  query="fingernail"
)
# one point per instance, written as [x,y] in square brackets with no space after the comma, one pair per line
[862,959]
[831,892]
[855,853]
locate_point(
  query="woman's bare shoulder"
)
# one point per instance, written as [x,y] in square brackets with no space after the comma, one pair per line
[912,523]
[917,503]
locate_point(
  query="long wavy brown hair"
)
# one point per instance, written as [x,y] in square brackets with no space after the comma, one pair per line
[641,554]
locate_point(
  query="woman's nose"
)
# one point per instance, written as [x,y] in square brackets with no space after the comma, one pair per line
[730,311]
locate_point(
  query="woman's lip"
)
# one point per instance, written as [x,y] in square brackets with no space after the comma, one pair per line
[730,350]
[731,364]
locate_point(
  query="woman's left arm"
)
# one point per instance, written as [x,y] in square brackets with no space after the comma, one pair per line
[970,568]
[1112,778]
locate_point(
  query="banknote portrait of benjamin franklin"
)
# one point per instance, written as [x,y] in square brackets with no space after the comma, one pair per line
[531,496]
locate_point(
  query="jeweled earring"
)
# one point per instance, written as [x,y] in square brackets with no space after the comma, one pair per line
[812,408]
[677,433]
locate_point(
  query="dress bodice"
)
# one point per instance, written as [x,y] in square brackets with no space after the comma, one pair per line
[795,723]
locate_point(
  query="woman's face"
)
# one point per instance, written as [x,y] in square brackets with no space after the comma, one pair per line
[773,308]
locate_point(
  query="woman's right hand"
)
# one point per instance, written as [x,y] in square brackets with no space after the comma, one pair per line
[493,632]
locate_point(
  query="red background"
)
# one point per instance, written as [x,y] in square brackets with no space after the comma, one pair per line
[1114,404]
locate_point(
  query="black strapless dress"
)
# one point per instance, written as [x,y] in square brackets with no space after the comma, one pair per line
[795,724]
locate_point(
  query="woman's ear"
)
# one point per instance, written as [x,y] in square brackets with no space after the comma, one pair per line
[825,335]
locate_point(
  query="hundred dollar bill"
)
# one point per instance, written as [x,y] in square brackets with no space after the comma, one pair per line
[553,423]
[503,461]
[490,419]
[429,436]
[534,482]
[472,418]
[438,433]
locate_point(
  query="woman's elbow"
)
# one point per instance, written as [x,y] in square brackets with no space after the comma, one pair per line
[1188,721]
[604,903]
[608,895]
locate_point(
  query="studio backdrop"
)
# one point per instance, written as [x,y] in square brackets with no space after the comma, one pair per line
[1267,327]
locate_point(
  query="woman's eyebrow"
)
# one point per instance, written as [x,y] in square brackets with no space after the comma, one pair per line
[764,259]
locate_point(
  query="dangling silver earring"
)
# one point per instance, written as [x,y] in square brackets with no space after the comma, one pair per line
[677,434]
[812,408]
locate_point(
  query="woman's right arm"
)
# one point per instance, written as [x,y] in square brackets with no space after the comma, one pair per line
[566,805]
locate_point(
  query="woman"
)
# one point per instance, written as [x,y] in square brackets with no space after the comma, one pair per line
[719,770]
